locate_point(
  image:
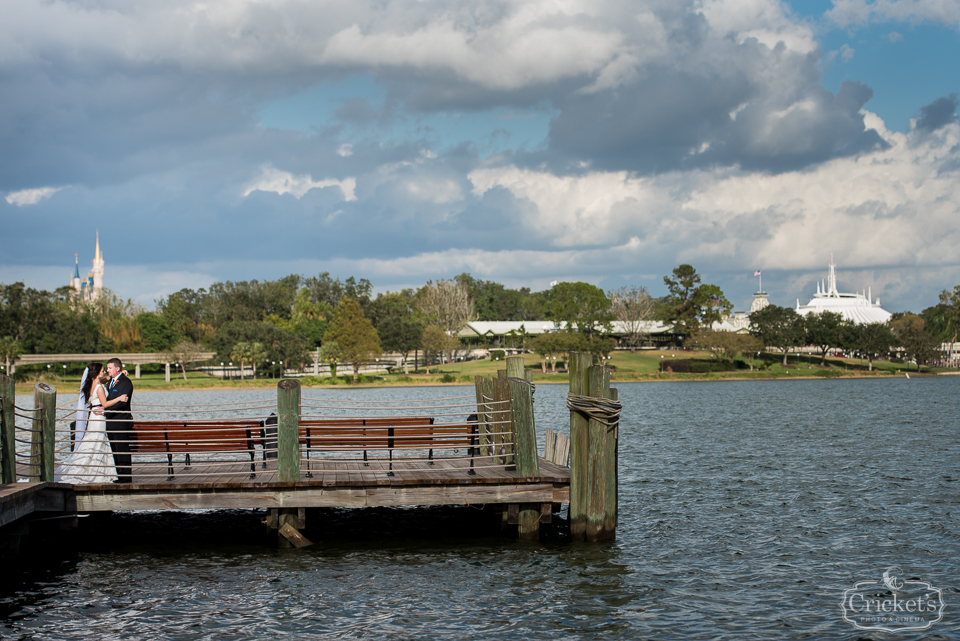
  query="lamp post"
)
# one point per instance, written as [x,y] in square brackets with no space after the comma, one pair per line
[281,369]
[661,363]
[221,370]
[231,370]
[273,369]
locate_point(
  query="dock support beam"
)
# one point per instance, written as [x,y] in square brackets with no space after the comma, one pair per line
[528,465]
[8,450]
[593,457]
[288,430]
[44,423]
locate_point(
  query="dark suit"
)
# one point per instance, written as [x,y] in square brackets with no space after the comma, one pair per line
[120,427]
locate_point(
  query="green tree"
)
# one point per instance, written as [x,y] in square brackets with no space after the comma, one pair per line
[692,303]
[823,330]
[155,332]
[914,339]
[184,353]
[258,354]
[9,351]
[354,333]
[580,306]
[435,342]
[870,339]
[399,325]
[778,327]
[331,355]
[241,353]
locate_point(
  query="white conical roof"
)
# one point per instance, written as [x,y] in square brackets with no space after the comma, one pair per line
[853,307]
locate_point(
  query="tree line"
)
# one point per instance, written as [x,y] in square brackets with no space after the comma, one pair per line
[264,322]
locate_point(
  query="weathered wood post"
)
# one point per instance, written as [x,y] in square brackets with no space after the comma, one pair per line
[593,453]
[485,416]
[166,372]
[504,434]
[597,458]
[514,366]
[44,436]
[611,476]
[528,465]
[288,458]
[8,446]
[288,430]
[579,367]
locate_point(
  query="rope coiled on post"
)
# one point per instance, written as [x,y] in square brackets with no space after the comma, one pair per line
[603,410]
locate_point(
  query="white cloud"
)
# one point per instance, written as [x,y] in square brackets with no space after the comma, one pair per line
[345,150]
[283,182]
[846,53]
[850,12]
[899,206]
[30,196]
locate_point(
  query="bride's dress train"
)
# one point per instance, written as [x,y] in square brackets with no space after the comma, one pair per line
[92,460]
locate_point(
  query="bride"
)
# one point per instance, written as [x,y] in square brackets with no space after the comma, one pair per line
[92,459]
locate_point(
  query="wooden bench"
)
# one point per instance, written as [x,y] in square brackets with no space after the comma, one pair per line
[194,437]
[387,433]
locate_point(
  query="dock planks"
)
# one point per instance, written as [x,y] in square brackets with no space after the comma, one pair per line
[332,483]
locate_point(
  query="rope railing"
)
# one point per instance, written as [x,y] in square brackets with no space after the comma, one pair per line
[334,400]
[233,441]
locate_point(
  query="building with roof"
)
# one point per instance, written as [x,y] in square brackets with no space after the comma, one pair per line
[855,308]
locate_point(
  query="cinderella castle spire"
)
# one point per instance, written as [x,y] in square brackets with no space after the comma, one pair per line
[91,288]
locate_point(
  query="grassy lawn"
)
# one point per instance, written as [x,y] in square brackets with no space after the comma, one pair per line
[641,366]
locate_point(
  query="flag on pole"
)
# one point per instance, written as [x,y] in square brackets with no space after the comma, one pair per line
[756,273]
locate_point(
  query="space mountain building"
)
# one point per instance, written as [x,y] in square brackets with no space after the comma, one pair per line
[856,308]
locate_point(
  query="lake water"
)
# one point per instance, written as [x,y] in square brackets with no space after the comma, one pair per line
[746,510]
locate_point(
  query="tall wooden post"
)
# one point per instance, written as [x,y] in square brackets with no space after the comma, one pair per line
[579,367]
[504,434]
[528,465]
[8,446]
[515,366]
[611,476]
[166,372]
[44,436]
[288,430]
[597,458]
[485,415]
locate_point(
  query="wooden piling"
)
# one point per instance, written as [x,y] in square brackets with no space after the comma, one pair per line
[44,436]
[288,427]
[597,458]
[579,367]
[514,366]
[166,372]
[505,437]
[8,448]
[528,465]
[611,476]
[485,416]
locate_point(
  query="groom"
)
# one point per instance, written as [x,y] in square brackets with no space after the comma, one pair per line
[119,419]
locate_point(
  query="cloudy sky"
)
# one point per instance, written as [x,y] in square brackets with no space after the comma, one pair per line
[523,142]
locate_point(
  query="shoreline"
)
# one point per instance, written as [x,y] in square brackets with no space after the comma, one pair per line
[27,388]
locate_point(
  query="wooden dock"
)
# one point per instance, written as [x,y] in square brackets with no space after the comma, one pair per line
[491,460]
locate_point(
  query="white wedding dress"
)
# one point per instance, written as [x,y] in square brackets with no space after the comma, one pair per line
[92,460]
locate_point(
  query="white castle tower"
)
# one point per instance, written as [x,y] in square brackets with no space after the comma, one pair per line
[90,289]
[97,272]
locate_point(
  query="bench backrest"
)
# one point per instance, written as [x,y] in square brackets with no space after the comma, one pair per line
[384,433]
[195,436]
